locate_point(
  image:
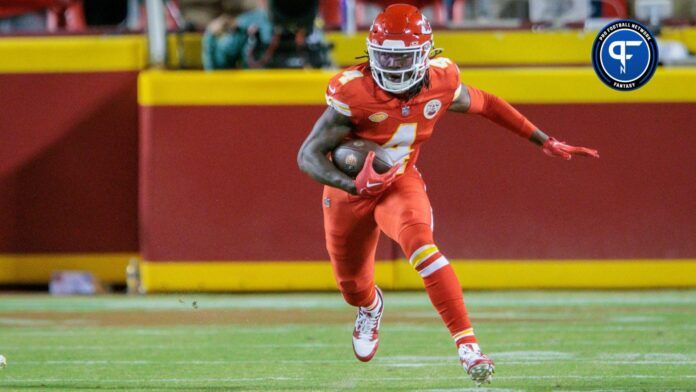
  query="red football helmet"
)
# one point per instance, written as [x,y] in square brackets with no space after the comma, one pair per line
[399,45]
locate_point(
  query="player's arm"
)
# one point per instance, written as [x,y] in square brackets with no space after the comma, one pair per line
[474,101]
[328,132]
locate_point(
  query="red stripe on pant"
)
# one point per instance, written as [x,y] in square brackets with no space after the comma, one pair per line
[429,260]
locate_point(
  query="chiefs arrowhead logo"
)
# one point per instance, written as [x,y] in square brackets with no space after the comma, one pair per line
[378,117]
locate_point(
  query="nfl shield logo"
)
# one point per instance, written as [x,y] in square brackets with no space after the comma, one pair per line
[405,111]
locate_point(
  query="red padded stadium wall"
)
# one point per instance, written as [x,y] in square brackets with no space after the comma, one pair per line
[221,183]
[68,162]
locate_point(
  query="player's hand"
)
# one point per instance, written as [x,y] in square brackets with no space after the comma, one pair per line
[554,148]
[369,183]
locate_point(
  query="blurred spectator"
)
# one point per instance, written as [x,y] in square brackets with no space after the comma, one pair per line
[227,39]
[24,21]
[41,15]
[287,34]
[199,13]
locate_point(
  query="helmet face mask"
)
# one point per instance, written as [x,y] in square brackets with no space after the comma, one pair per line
[398,47]
[397,68]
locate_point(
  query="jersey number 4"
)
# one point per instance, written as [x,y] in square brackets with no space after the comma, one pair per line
[399,146]
[347,76]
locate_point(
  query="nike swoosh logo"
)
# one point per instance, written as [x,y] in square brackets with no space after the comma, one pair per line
[373,184]
[333,90]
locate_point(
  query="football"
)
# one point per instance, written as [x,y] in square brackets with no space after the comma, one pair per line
[349,157]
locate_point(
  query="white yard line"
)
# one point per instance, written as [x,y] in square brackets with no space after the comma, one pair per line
[477,389]
[149,380]
[507,327]
[8,321]
[640,357]
[512,315]
[192,330]
[535,355]
[257,379]
[535,363]
[491,347]
[334,301]
[294,328]
[99,362]
[389,362]
[177,347]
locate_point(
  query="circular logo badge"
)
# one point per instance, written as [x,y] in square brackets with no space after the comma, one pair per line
[624,55]
[431,108]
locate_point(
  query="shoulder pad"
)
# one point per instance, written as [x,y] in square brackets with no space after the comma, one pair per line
[343,91]
[449,72]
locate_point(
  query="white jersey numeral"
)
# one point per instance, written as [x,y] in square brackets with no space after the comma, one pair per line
[347,76]
[399,146]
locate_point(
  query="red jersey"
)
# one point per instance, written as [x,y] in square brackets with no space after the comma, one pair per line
[400,127]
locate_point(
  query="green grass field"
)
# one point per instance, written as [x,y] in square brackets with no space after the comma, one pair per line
[567,340]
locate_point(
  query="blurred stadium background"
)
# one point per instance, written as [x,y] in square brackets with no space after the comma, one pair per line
[123,158]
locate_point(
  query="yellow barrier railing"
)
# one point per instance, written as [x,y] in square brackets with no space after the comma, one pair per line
[468,48]
[518,85]
[37,268]
[399,275]
[72,54]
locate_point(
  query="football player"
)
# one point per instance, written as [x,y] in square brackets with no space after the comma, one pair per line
[395,99]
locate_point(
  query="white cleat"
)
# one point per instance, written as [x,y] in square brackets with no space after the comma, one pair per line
[366,331]
[479,367]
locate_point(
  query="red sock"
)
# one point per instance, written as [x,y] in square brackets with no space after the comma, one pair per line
[441,282]
[445,293]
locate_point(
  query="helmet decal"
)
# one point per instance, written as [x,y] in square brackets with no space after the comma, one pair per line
[425,26]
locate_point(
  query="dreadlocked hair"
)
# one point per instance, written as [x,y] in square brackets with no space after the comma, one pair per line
[365,55]
[435,52]
[416,89]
